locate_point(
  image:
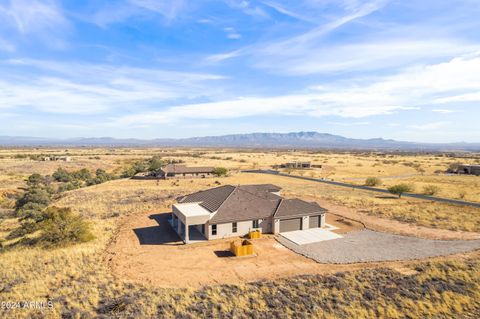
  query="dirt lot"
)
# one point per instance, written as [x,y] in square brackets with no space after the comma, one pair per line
[146,249]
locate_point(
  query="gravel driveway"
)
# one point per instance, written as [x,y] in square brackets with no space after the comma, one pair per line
[370,246]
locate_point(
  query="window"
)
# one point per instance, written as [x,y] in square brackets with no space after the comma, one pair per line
[214,230]
[255,223]
[234,227]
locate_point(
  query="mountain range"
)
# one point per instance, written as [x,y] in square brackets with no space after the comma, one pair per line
[302,140]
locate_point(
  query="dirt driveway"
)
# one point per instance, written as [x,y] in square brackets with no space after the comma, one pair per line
[146,249]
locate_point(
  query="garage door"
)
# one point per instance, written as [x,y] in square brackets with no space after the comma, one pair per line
[314,221]
[290,224]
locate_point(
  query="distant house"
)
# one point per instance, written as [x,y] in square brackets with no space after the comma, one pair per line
[230,211]
[183,171]
[57,158]
[468,169]
[296,165]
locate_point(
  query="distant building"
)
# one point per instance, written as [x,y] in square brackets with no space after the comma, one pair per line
[183,171]
[468,169]
[57,158]
[296,165]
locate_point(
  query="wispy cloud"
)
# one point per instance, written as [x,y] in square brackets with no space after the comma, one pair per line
[81,88]
[42,19]
[444,111]
[248,8]
[293,45]
[232,33]
[281,9]
[409,90]
[168,9]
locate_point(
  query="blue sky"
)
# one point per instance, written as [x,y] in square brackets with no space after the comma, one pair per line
[408,70]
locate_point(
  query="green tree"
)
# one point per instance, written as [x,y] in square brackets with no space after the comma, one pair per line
[220,171]
[61,227]
[400,189]
[155,163]
[373,181]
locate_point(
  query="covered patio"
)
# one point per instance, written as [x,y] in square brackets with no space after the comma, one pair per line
[189,220]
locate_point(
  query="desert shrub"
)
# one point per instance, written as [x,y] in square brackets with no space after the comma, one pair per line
[453,167]
[431,190]
[373,181]
[399,189]
[34,195]
[62,175]
[83,174]
[220,171]
[60,227]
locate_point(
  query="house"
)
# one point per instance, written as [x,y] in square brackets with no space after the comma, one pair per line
[297,165]
[183,171]
[231,211]
[57,158]
[468,169]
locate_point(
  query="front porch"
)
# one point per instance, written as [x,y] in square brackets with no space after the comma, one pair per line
[189,221]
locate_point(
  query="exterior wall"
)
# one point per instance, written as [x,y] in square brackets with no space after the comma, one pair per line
[189,175]
[225,230]
[305,223]
[468,169]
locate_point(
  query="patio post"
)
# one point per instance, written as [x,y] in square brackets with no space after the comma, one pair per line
[187,231]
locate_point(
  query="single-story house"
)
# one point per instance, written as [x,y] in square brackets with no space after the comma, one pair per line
[296,165]
[231,211]
[183,171]
[468,169]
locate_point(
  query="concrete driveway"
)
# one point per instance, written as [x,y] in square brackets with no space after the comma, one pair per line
[310,236]
[372,246]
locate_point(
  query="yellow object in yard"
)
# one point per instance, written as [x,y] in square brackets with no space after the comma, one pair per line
[255,234]
[243,248]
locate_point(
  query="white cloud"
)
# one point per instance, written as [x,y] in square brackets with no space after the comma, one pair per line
[80,88]
[444,111]
[232,33]
[408,90]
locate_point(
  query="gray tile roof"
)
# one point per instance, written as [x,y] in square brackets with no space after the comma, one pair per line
[297,207]
[244,205]
[210,199]
[248,202]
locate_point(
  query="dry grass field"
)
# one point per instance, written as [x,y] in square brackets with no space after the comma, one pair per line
[80,282]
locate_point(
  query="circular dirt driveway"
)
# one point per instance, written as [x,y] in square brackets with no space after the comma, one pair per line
[371,246]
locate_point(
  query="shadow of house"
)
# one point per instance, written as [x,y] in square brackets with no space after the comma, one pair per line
[163,234]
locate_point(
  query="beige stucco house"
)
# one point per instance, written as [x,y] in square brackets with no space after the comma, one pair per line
[183,171]
[231,211]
